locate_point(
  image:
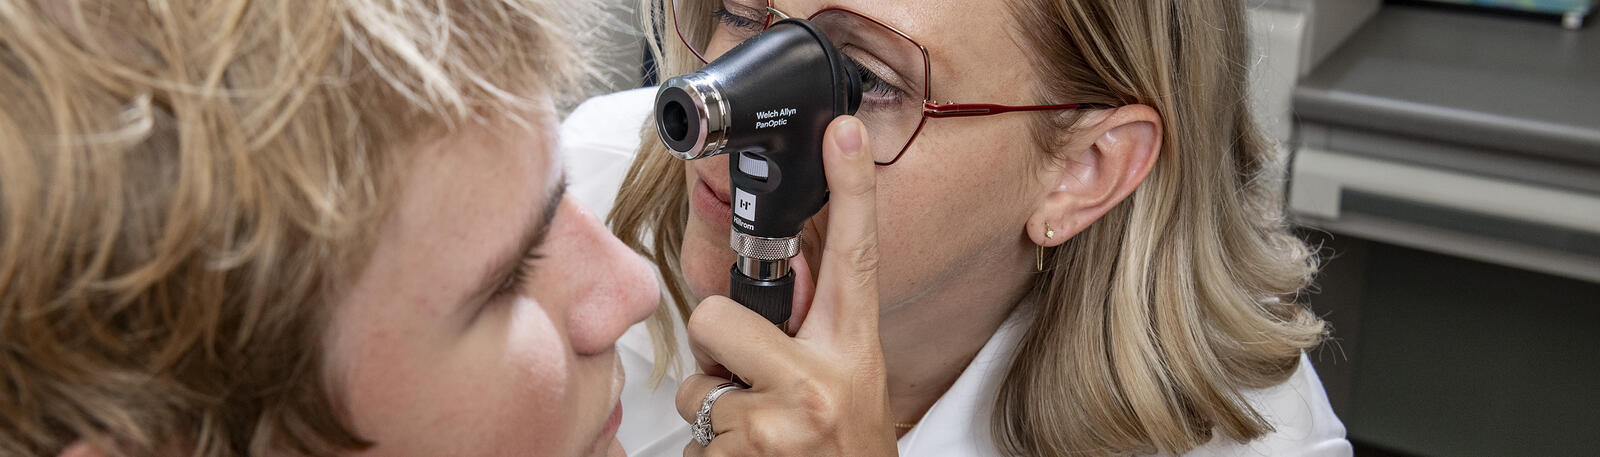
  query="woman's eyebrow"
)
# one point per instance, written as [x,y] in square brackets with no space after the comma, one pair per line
[533,235]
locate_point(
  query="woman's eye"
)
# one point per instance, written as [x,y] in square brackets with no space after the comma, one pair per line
[734,20]
[872,85]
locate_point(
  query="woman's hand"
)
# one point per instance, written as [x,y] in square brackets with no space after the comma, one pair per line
[822,392]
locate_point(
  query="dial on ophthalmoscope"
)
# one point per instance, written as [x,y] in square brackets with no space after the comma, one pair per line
[766,103]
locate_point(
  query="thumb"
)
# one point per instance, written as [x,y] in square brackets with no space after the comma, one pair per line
[846,296]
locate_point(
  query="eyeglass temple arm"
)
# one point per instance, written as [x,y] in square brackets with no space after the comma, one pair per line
[979,109]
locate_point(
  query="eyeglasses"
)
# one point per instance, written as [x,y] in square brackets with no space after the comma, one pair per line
[896,85]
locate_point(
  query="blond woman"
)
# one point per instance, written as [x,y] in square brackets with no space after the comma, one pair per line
[1082,251]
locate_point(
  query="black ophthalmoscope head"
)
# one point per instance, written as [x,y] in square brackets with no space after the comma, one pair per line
[766,103]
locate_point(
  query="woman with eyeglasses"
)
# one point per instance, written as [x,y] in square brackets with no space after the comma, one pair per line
[1081,250]
[323,228]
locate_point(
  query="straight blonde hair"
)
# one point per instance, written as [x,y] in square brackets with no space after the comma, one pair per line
[1153,321]
[1162,313]
[186,187]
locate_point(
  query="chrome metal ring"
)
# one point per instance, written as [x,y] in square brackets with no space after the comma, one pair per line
[712,107]
[756,247]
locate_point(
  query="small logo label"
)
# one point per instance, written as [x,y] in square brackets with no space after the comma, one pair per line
[744,204]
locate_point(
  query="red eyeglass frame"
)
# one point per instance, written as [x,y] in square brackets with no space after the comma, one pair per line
[930,108]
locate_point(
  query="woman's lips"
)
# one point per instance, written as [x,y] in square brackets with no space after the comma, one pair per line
[711,205]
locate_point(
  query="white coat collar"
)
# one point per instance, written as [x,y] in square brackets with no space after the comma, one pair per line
[957,425]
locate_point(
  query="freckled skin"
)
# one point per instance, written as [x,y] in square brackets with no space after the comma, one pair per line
[953,206]
[952,212]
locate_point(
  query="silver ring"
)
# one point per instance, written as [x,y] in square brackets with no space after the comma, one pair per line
[702,419]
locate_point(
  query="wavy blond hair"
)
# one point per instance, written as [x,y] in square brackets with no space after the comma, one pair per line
[1154,320]
[186,185]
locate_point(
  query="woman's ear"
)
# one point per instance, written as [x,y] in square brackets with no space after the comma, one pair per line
[1111,159]
[82,449]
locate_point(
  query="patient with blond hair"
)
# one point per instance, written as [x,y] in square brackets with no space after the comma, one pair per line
[237,228]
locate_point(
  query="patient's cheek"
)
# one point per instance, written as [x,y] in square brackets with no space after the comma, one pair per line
[536,350]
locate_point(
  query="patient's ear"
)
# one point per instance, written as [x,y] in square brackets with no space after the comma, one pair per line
[1111,157]
[82,448]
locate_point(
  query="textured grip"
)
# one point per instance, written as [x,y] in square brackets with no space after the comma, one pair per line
[771,299]
[756,247]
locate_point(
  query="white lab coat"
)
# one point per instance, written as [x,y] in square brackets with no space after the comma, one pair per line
[598,141]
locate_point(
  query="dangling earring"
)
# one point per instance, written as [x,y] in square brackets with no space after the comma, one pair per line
[1038,254]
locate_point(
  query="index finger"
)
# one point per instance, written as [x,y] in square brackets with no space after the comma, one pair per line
[724,336]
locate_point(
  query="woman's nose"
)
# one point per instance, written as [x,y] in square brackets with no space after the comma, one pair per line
[610,286]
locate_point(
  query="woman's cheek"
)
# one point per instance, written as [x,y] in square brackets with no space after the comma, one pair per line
[705,267]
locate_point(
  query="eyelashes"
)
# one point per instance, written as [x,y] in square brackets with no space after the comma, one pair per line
[873,85]
[518,280]
[731,19]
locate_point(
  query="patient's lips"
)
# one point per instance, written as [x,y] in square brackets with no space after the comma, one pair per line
[607,438]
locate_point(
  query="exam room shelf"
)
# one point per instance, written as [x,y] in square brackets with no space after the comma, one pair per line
[1463,319]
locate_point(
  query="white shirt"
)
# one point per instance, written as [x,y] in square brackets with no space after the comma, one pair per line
[599,139]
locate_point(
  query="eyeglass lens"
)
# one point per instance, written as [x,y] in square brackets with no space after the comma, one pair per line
[893,69]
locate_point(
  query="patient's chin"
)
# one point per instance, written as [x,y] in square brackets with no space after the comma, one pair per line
[616,449]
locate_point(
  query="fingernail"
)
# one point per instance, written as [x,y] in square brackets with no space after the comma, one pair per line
[849,139]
